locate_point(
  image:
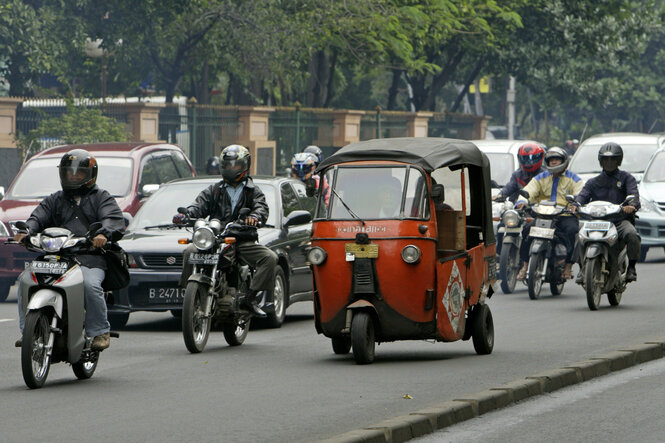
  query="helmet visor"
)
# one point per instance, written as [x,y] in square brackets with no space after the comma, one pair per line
[72,177]
[531,159]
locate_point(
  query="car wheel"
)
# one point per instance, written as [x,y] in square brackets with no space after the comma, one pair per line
[280,296]
[4,291]
[643,254]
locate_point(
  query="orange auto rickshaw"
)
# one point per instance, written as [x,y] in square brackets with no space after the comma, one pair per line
[403,246]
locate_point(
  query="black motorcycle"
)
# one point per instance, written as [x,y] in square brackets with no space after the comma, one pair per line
[216,290]
[509,260]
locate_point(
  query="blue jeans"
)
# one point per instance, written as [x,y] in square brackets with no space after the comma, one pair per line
[96,321]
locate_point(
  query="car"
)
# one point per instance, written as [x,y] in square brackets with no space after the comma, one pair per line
[155,256]
[128,171]
[650,223]
[637,150]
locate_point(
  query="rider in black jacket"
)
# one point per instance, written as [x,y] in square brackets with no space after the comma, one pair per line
[223,201]
[613,185]
[80,199]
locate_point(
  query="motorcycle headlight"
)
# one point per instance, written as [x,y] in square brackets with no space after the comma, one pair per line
[203,238]
[511,219]
[317,256]
[411,254]
[52,244]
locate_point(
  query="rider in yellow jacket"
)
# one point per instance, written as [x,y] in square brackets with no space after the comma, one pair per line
[553,184]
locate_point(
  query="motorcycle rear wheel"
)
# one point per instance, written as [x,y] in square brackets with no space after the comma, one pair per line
[593,283]
[535,275]
[195,326]
[509,267]
[84,370]
[235,333]
[35,358]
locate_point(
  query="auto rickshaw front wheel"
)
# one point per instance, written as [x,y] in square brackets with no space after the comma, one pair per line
[482,330]
[362,338]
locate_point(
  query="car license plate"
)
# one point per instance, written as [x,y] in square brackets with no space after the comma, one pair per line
[203,259]
[541,232]
[174,295]
[48,267]
[597,226]
[361,251]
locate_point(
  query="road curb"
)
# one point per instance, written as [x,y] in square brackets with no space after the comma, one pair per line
[439,416]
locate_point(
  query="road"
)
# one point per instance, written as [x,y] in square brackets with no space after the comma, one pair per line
[286,385]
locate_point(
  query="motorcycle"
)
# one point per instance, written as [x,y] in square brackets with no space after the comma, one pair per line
[216,290]
[548,253]
[604,260]
[52,294]
[509,259]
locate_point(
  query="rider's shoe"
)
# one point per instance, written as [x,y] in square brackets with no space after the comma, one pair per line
[101,342]
[19,343]
[566,274]
[522,274]
[580,278]
[251,304]
[631,274]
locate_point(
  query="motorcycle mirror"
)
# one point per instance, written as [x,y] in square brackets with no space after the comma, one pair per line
[524,193]
[182,210]
[243,213]
[570,198]
[629,199]
[438,193]
[21,226]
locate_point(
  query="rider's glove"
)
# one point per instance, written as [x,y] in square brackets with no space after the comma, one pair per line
[180,219]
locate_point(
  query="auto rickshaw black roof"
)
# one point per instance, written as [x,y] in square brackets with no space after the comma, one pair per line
[431,153]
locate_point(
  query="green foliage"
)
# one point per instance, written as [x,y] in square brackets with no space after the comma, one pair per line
[78,125]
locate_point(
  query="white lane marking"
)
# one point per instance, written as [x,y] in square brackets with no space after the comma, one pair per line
[475,430]
[2,320]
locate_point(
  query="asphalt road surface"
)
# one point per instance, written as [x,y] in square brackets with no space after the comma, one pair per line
[286,385]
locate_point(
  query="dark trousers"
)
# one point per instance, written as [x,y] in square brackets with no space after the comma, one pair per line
[567,229]
[257,256]
[628,234]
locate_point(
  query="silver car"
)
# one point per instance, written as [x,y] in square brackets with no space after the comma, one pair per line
[651,222]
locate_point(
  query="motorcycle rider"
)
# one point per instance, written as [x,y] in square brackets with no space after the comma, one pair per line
[318,153]
[613,185]
[530,157]
[223,201]
[212,166]
[553,184]
[303,165]
[81,203]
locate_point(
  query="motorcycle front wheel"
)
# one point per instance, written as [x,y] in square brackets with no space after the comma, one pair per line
[593,283]
[509,267]
[195,323]
[35,352]
[536,275]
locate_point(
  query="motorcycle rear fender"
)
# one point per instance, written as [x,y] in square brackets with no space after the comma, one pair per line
[594,250]
[46,297]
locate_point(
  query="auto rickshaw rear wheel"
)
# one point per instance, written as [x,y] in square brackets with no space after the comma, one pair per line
[482,331]
[362,337]
[341,345]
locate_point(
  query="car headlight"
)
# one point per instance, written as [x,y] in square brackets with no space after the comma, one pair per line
[52,244]
[317,256]
[511,218]
[648,205]
[411,254]
[203,238]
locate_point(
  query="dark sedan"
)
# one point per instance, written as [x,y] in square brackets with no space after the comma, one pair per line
[155,257]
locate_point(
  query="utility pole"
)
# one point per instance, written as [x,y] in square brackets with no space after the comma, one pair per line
[510,99]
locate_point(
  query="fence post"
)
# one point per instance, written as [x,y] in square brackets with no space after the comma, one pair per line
[143,121]
[193,148]
[417,124]
[8,121]
[346,127]
[297,146]
[253,126]
[378,122]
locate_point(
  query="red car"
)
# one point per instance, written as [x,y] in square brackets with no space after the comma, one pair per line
[128,171]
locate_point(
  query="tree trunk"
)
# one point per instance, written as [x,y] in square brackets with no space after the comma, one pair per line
[394,89]
[441,79]
[331,77]
[468,82]
[319,79]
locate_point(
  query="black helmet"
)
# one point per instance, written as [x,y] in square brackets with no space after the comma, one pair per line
[313,149]
[236,161]
[610,150]
[212,167]
[78,171]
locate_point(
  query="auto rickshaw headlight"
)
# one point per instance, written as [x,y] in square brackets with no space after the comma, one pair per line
[411,254]
[511,219]
[203,238]
[317,256]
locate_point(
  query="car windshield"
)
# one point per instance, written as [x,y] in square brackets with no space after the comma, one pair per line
[374,193]
[656,171]
[635,158]
[39,178]
[160,208]
[502,166]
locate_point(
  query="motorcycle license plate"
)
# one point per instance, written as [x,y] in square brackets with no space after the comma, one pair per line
[597,226]
[173,295]
[541,232]
[48,267]
[203,259]
[512,230]
[361,251]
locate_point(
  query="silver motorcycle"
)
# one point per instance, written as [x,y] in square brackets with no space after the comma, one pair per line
[52,296]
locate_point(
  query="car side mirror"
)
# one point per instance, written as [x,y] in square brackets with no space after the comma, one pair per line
[2,191]
[299,217]
[148,190]
[438,193]
[127,217]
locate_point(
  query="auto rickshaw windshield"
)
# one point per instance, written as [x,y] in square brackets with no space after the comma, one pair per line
[374,192]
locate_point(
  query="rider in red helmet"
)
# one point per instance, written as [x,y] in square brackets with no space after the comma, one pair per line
[530,157]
